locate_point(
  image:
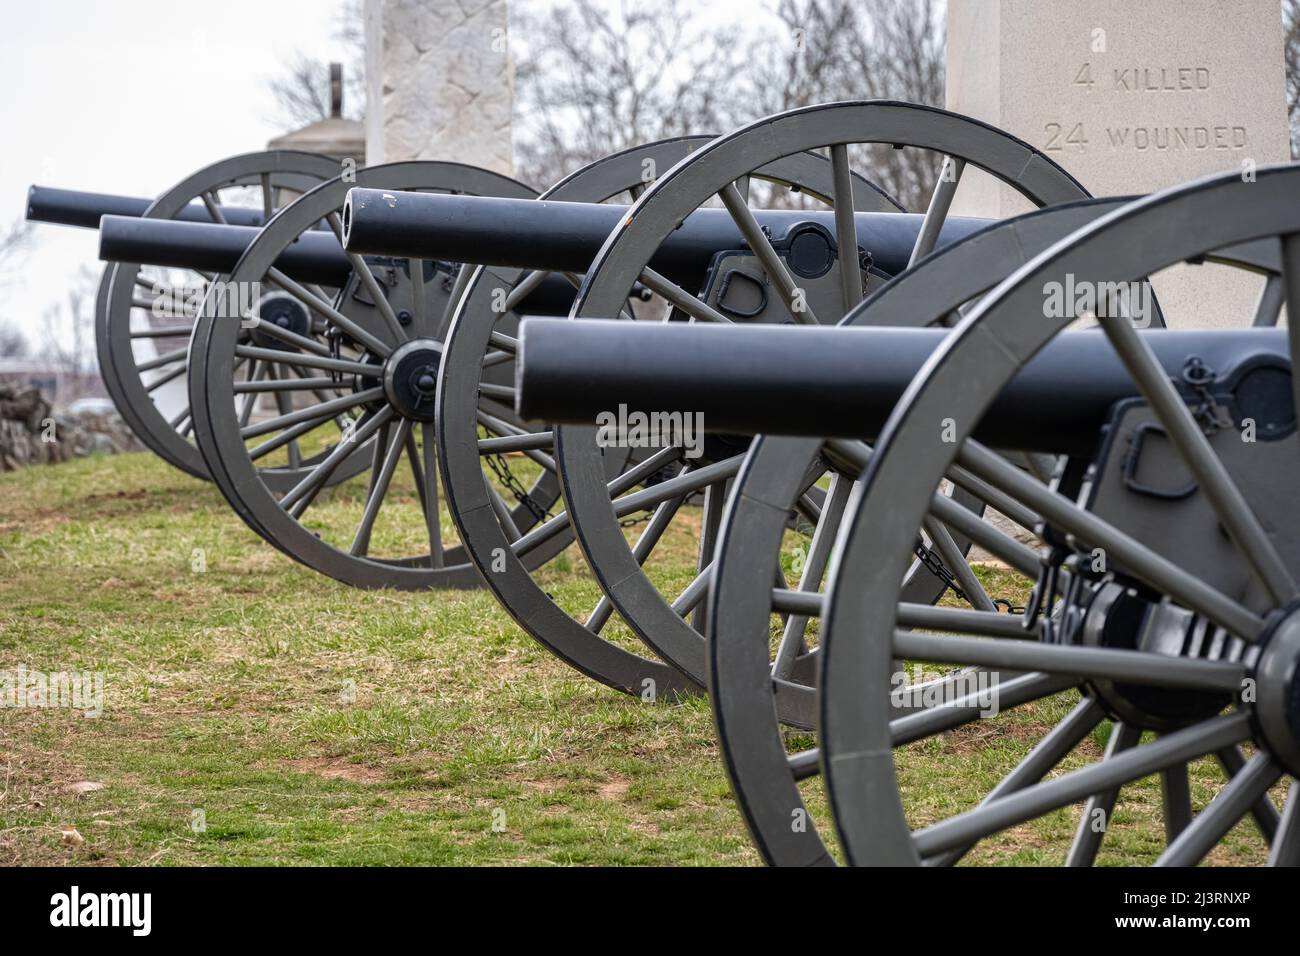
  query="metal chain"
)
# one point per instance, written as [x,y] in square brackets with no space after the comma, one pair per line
[1209,414]
[934,564]
[501,468]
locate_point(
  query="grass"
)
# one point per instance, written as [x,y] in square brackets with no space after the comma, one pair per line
[258,713]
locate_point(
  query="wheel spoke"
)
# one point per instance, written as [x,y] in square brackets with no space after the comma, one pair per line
[1182,745]
[1161,670]
[308,361]
[715,503]
[426,478]
[689,480]
[328,409]
[676,296]
[528,441]
[1012,692]
[846,229]
[1176,798]
[1231,759]
[935,214]
[327,311]
[1230,804]
[213,207]
[317,477]
[1212,477]
[956,563]
[819,551]
[694,594]
[1120,547]
[1286,846]
[1097,811]
[362,272]
[1039,762]
[167,358]
[288,336]
[163,379]
[645,544]
[761,246]
[1268,308]
[394,451]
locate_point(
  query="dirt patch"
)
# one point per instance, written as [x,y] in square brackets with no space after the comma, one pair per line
[335,768]
[615,788]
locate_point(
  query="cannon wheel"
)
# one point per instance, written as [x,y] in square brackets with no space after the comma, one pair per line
[470,420]
[671,625]
[141,358]
[1085,682]
[335,395]
[743,616]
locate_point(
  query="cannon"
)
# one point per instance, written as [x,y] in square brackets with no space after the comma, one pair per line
[73,207]
[442,226]
[315,258]
[139,355]
[402,401]
[1164,567]
[657,491]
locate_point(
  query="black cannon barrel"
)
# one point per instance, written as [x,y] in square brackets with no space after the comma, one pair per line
[565,236]
[210,247]
[836,381]
[315,256]
[71,207]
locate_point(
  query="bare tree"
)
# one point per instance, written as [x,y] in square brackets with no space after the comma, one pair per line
[14,243]
[593,78]
[13,343]
[67,332]
[301,91]
[15,240]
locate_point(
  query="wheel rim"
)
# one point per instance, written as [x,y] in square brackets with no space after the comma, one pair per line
[389,437]
[470,496]
[671,199]
[132,381]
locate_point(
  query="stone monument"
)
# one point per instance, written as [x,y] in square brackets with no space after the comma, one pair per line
[1129,97]
[439,82]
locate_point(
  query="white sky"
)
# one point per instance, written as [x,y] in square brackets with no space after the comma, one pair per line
[130,96]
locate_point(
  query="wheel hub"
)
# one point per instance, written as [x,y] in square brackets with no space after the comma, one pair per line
[282,311]
[1277,689]
[411,378]
[1118,617]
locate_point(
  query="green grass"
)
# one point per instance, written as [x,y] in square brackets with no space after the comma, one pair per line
[307,723]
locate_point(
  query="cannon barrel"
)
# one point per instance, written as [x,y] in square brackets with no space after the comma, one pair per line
[314,257]
[212,247]
[566,236]
[71,207]
[839,381]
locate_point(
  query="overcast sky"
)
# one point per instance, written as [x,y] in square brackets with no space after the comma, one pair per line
[131,96]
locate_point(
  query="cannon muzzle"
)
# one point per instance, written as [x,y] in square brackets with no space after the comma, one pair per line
[841,382]
[70,207]
[314,257]
[565,236]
